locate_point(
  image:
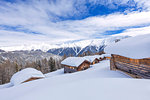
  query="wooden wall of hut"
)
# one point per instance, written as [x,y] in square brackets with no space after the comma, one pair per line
[139,68]
[31,79]
[95,61]
[69,69]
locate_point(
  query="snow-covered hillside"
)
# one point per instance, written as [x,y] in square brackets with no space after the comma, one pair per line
[26,56]
[134,47]
[95,83]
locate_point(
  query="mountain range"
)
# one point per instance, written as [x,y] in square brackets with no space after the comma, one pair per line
[71,48]
[81,47]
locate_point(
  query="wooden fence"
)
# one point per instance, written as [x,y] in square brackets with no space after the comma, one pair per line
[138,68]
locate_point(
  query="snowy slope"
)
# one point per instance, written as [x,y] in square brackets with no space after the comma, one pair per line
[96,83]
[134,47]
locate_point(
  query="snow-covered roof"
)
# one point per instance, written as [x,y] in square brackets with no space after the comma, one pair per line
[91,58]
[73,61]
[24,75]
[76,61]
[134,47]
[106,55]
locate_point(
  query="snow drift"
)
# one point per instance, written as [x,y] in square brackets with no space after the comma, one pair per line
[134,47]
[24,75]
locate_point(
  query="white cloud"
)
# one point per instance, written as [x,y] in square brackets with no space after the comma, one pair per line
[135,31]
[145,4]
[94,25]
[42,16]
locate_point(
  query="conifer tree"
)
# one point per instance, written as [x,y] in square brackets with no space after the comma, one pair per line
[51,64]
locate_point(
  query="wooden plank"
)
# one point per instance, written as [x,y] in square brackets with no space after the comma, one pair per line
[136,67]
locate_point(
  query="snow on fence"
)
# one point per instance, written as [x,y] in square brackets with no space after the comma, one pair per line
[137,68]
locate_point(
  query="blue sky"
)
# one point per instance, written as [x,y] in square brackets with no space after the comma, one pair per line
[58,21]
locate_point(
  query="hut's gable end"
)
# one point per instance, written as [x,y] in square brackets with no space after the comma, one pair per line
[95,61]
[85,65]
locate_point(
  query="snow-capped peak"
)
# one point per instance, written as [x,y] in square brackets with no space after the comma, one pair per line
[45,47]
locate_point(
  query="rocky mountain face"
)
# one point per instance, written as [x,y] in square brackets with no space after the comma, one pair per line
[79,48]
[75,51]
[1,50]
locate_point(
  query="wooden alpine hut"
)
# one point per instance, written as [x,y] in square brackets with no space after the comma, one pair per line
[74,64]
[131,56]
[92,59]
[26,75]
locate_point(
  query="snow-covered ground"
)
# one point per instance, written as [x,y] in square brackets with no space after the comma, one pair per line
[7,85]
[95,83]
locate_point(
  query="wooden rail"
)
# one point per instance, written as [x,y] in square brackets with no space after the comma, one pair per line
[138,68]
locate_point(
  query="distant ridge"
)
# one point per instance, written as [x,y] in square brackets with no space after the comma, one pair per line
[71,48]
